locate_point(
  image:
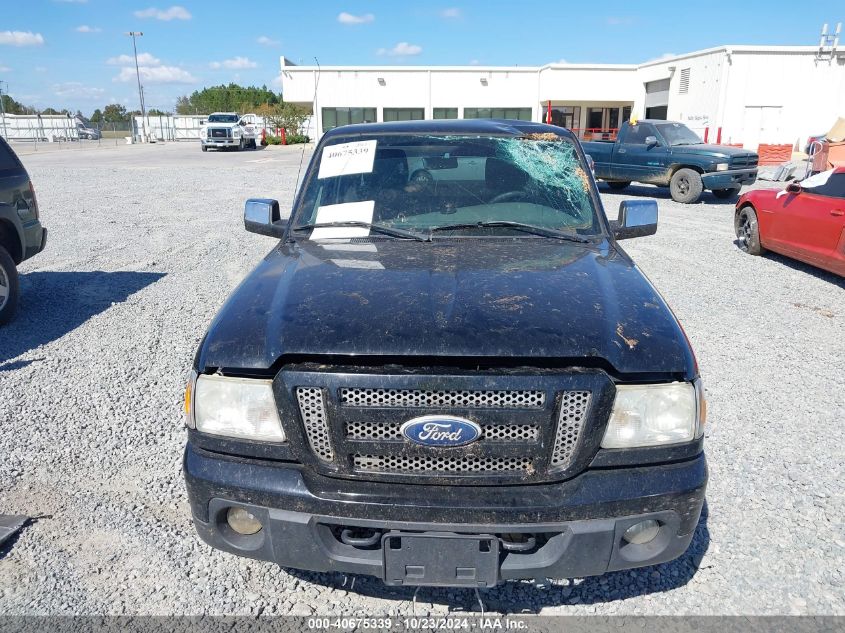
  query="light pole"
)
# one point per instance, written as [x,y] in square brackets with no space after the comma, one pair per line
[135,34]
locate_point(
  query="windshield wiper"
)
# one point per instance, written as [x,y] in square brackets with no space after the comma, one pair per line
[518,226]
[377,228]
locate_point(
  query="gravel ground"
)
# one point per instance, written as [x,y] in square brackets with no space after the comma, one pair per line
[146,243]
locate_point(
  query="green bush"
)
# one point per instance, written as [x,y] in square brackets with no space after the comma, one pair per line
[292,139]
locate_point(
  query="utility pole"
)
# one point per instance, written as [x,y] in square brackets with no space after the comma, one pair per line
[135,34]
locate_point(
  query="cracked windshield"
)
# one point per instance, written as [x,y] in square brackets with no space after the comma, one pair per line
[456,185]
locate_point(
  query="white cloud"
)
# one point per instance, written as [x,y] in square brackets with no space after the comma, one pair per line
[474,62]
[77,90]
[157,75]
[5,69]
[452,13]
[348,18]
[267,41]
[88,29]
[276,82]
[144,59]
[21,38]
[41,69]
[402,49]
[173,13]
[236,63]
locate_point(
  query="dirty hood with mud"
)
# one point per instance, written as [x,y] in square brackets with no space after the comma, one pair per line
[518,300]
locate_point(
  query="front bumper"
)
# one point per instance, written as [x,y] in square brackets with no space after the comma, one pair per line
[732,179]
[221,142]
[578,524]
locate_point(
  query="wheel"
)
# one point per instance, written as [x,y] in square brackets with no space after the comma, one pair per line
[204,148]
[748,230]
[253,144]
[618,185]
[9,287]
[686,186]
[726,194]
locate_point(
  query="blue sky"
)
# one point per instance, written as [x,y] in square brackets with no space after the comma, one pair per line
[73,53]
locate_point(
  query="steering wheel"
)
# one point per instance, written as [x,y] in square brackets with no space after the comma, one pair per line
[508,195]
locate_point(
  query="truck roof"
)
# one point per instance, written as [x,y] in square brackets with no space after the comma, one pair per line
[497,127]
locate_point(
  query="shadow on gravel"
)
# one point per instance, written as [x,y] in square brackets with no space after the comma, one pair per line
[525,597]
[661,193]
[818,273]
[55,303]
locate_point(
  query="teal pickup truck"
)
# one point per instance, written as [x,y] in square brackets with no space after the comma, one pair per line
[669,154]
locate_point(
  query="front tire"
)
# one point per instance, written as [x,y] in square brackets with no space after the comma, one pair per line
[204,148]
[686,186]
[747,230]
[618,185]
[9,287]
[726,194]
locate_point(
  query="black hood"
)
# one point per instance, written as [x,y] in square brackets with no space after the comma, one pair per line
[529,299]
[713,151]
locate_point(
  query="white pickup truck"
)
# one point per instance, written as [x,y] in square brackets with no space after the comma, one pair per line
[228,129]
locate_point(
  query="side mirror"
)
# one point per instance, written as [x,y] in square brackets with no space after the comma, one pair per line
[650,141]
[637,218]
[793,187]
[261,215]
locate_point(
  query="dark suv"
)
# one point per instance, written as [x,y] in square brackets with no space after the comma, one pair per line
[447,371]
[21,234]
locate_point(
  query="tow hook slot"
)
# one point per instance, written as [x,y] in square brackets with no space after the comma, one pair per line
[359,537]
[518,542]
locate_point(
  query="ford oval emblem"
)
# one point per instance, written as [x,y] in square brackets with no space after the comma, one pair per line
[441,430]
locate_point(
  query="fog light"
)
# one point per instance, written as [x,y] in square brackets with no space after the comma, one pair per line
[642,532]
[242,521]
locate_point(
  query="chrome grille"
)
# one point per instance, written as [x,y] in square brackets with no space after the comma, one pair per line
[313,411]
[356,397]
[391,431]
[435,464]
[573,412]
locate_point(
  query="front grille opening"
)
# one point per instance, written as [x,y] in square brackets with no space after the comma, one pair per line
[432,465]
[366,430]
[573,412]
[419,398]
[358,537]
[313,410]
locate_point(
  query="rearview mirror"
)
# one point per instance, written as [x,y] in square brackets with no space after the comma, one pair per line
[650,141]
[261,215]
[637,218]
[793,187]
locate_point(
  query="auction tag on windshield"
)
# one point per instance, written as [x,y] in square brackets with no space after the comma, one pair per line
[346,212]
[347,158]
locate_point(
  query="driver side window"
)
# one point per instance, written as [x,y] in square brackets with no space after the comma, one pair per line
[636,134]
[833,188]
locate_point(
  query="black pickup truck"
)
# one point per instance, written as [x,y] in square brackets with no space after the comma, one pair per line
[447,371]
[669,154]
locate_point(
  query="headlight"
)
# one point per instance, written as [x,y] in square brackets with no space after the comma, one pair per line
[654,415]
[723,167]
[235,407]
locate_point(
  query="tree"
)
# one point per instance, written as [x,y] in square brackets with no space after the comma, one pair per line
[283,115]
[97,116]
[231,98]
[156,112]
[10,106]
[114,113]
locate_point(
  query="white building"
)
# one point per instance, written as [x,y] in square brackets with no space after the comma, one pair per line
[737,94]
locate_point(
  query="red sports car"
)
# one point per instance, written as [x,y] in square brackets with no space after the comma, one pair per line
[805,221]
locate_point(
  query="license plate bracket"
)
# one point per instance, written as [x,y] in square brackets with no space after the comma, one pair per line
[440,559]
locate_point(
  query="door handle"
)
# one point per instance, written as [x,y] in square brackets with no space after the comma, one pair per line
[837,212]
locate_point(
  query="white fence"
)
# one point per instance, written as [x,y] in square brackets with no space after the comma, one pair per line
[187,127]
[38,127]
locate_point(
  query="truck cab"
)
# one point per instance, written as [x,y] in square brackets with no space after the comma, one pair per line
[228,130]
[668,153]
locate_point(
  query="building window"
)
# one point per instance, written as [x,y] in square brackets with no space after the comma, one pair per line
[564,116]
[335,117]
[683,87]
[404,114]
[520,114]
[445,113]
[626,113]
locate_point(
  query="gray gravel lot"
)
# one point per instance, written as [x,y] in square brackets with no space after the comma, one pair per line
[145,244]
